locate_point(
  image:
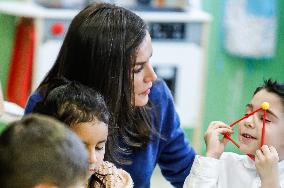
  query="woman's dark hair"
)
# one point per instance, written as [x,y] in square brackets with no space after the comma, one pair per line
[273,87]
[99,51]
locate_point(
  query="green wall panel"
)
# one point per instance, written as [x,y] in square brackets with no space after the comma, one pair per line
[7,29]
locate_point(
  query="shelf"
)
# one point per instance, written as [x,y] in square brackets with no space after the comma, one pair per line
[33,10]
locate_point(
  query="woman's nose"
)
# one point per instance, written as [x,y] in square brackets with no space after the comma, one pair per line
[150,74]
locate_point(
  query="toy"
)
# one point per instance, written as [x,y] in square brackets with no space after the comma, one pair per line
[264,107]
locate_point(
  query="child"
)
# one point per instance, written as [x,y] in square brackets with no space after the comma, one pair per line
[40,152]
[85,112]
[229,170]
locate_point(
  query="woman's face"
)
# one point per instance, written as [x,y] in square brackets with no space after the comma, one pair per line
[250,129]
[94,135]
[144,74]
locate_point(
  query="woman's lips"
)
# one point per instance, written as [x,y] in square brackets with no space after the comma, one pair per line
[146,92]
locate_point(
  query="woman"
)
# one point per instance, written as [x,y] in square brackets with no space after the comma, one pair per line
[108,48]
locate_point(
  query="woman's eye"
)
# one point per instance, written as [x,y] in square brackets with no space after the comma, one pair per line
[138,68]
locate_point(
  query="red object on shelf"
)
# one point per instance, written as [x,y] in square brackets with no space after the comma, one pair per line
[57,28]
[20,72]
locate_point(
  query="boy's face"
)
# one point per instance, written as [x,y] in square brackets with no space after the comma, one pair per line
[250,129]
[94,135]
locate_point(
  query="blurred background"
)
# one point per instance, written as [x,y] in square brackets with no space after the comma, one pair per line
[212,53]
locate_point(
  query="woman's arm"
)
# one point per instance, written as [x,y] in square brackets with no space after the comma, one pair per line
[32,101]
[175,155]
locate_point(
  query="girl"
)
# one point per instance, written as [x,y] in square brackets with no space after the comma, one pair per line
[85,112]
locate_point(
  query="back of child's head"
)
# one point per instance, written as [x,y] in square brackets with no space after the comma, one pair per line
[40,150]
[273,87]
[74,103]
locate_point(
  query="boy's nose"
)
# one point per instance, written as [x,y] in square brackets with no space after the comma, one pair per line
[249,122]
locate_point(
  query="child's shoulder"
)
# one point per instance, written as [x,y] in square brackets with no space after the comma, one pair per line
[114,177]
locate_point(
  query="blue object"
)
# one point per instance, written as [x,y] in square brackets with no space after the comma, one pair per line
[265,8]
[173,154]
[249,28]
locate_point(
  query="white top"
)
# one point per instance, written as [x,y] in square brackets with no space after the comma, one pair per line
[230,171]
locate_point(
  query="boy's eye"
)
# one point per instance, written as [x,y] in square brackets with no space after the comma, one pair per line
[266,120]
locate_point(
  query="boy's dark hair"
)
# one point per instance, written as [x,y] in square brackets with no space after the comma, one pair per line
[73,103]
[274,87]
[39,149]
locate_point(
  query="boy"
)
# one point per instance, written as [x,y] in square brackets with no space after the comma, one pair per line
[229,170]
[40,152]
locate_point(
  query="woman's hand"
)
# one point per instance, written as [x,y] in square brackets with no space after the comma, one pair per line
[214,145]
[266,162]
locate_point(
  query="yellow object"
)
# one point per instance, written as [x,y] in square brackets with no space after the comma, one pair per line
[265,105]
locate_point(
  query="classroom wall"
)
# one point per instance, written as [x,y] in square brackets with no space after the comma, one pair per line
[7,29]
[230,80]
